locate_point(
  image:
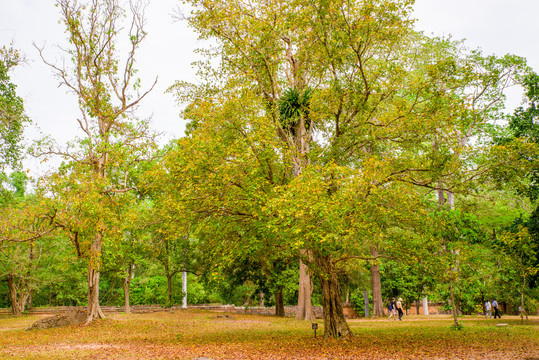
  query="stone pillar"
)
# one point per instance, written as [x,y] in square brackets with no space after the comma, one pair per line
[425,306]
[184,289]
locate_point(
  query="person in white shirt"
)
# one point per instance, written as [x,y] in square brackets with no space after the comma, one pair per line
[488,309]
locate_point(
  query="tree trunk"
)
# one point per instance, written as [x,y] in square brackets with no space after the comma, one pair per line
[127,307]
[366,300]
[15,306]
[377,303]
[27,291]
[335,325]
[417,306]
[305,306]
[453,307]
[126,286]
[169,289]
[94,310]
[23,299]
[441,197]
[168,273]
[522,308]
[261,295]
[19,287]
[279,302]
[300,161]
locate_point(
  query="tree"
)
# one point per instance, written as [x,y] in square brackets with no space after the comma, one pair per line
[359,105]
[517,149]
[24,247]
[278,58]
[520,244]
[90,185]
[12,117]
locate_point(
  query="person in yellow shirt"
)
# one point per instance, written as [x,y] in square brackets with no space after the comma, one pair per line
[399,308]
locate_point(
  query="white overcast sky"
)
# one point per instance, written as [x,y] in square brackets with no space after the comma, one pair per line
[496,26]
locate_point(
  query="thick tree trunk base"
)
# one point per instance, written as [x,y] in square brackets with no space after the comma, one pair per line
[335,325]
[94,310]
[17,298]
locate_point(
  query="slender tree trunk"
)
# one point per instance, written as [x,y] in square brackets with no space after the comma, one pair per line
[169,288]
[441,203]
[366,301]
[168,273]
[377,303]
[169,277]
[94,310]
[279,302]
[453,306]
[28,291]
[522,308]
[126,286]
[261,296]
[417,306]
[334,321]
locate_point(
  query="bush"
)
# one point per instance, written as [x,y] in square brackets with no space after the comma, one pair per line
[150,290]
[358,302]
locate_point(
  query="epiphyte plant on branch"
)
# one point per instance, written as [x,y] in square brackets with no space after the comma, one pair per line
[294,105]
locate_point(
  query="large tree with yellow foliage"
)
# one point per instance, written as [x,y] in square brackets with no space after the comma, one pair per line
[320,123]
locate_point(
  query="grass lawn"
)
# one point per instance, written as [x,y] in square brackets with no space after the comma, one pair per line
[192,334]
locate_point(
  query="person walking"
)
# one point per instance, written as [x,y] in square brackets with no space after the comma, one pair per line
[496,310]
[392,311]
[488,309]
[399,308]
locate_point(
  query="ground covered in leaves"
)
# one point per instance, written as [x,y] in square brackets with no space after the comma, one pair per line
[195,334]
